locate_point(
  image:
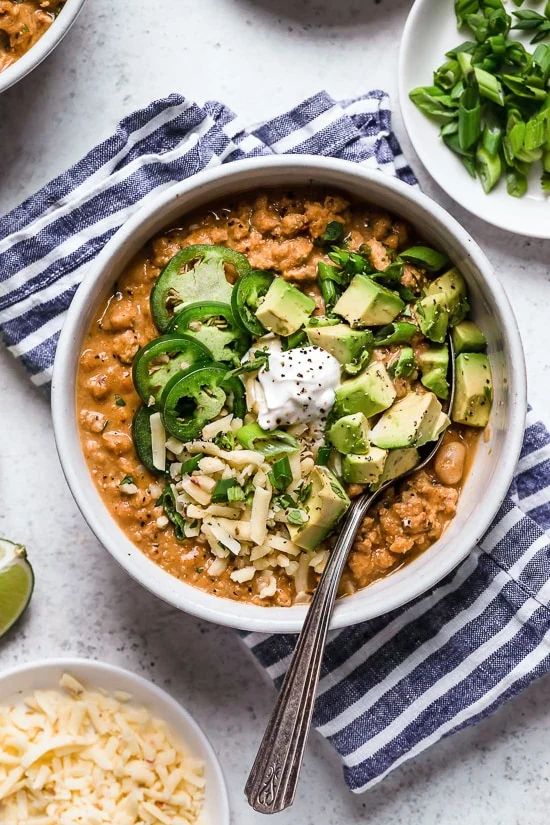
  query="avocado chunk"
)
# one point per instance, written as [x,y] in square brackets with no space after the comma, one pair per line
[369,393]
[325,505]
[366,303]
[467,337]
[442,423]
[284,308]
[350,434]
[411,422]
[403,364]
[435,380]
[473,389]
[434,363]
[453,286]
[397,463]
[434,357]
[344,343]
[364,469]
[445,302]
[433,317]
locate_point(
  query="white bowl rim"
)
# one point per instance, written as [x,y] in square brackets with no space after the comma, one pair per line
[246,616]
[42,48]
[72,663]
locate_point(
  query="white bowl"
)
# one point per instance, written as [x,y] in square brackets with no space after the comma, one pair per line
[42,47]
[47,673]
[496,456]
[429,32]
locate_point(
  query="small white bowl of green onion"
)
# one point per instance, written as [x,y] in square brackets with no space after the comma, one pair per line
[474,93]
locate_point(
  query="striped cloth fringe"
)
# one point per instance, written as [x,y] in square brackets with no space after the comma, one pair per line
[395,685]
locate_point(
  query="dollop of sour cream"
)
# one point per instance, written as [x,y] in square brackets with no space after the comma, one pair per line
[297,387]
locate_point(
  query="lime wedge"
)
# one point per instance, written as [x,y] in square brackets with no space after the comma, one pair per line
[16,583]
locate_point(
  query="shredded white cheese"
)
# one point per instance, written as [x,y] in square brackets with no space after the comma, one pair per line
[79,757]
[260,511]
[158,441]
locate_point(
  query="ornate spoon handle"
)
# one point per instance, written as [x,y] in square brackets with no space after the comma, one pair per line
[271,786]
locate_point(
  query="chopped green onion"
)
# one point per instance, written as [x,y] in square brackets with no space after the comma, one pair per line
[304,492]
[426,257]
[323,455]
[399,332]
[469,119]
[297,517]
[403,364]
[221,490]
[491,95]
[119,401]
[516,183]
[271,443]
[281,474]
[491,138]
[167,501]
[463,9]
[297,339]
[434,103]
[191,464]
[489,168]
[465,63]
[327,286]
[285,501]
[235,494]
[261,359]
[447,75]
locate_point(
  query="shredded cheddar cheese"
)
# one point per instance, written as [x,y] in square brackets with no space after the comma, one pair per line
[79,757]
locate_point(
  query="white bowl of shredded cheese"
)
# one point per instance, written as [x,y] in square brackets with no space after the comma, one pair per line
[86,743]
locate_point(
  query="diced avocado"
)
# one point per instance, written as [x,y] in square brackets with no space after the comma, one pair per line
[369,393]
[326,504]
[445,302]
[435,380]
[284,308]
[453,286]
[473,389]
[350,434]
[397,463]
[366,303]
[411,422]
[433,357]
[434,363]
[344,343]
[467,337]
[364,469]
[433,317]
[441,424]
[403,364]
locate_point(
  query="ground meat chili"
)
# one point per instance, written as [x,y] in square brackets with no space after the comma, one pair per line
[22,24]
[277,231]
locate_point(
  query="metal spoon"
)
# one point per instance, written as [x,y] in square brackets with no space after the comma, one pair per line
[271,785]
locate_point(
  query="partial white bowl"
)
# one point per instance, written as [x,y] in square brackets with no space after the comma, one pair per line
[43,47]
[429,32]
[47,673]
[496,456]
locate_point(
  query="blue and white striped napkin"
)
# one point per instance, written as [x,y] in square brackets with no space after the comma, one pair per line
[395,685]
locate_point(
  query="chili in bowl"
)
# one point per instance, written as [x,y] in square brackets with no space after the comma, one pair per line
[276,350]
[29,30]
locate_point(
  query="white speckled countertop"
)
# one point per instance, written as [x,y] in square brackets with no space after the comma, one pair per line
[259,56]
